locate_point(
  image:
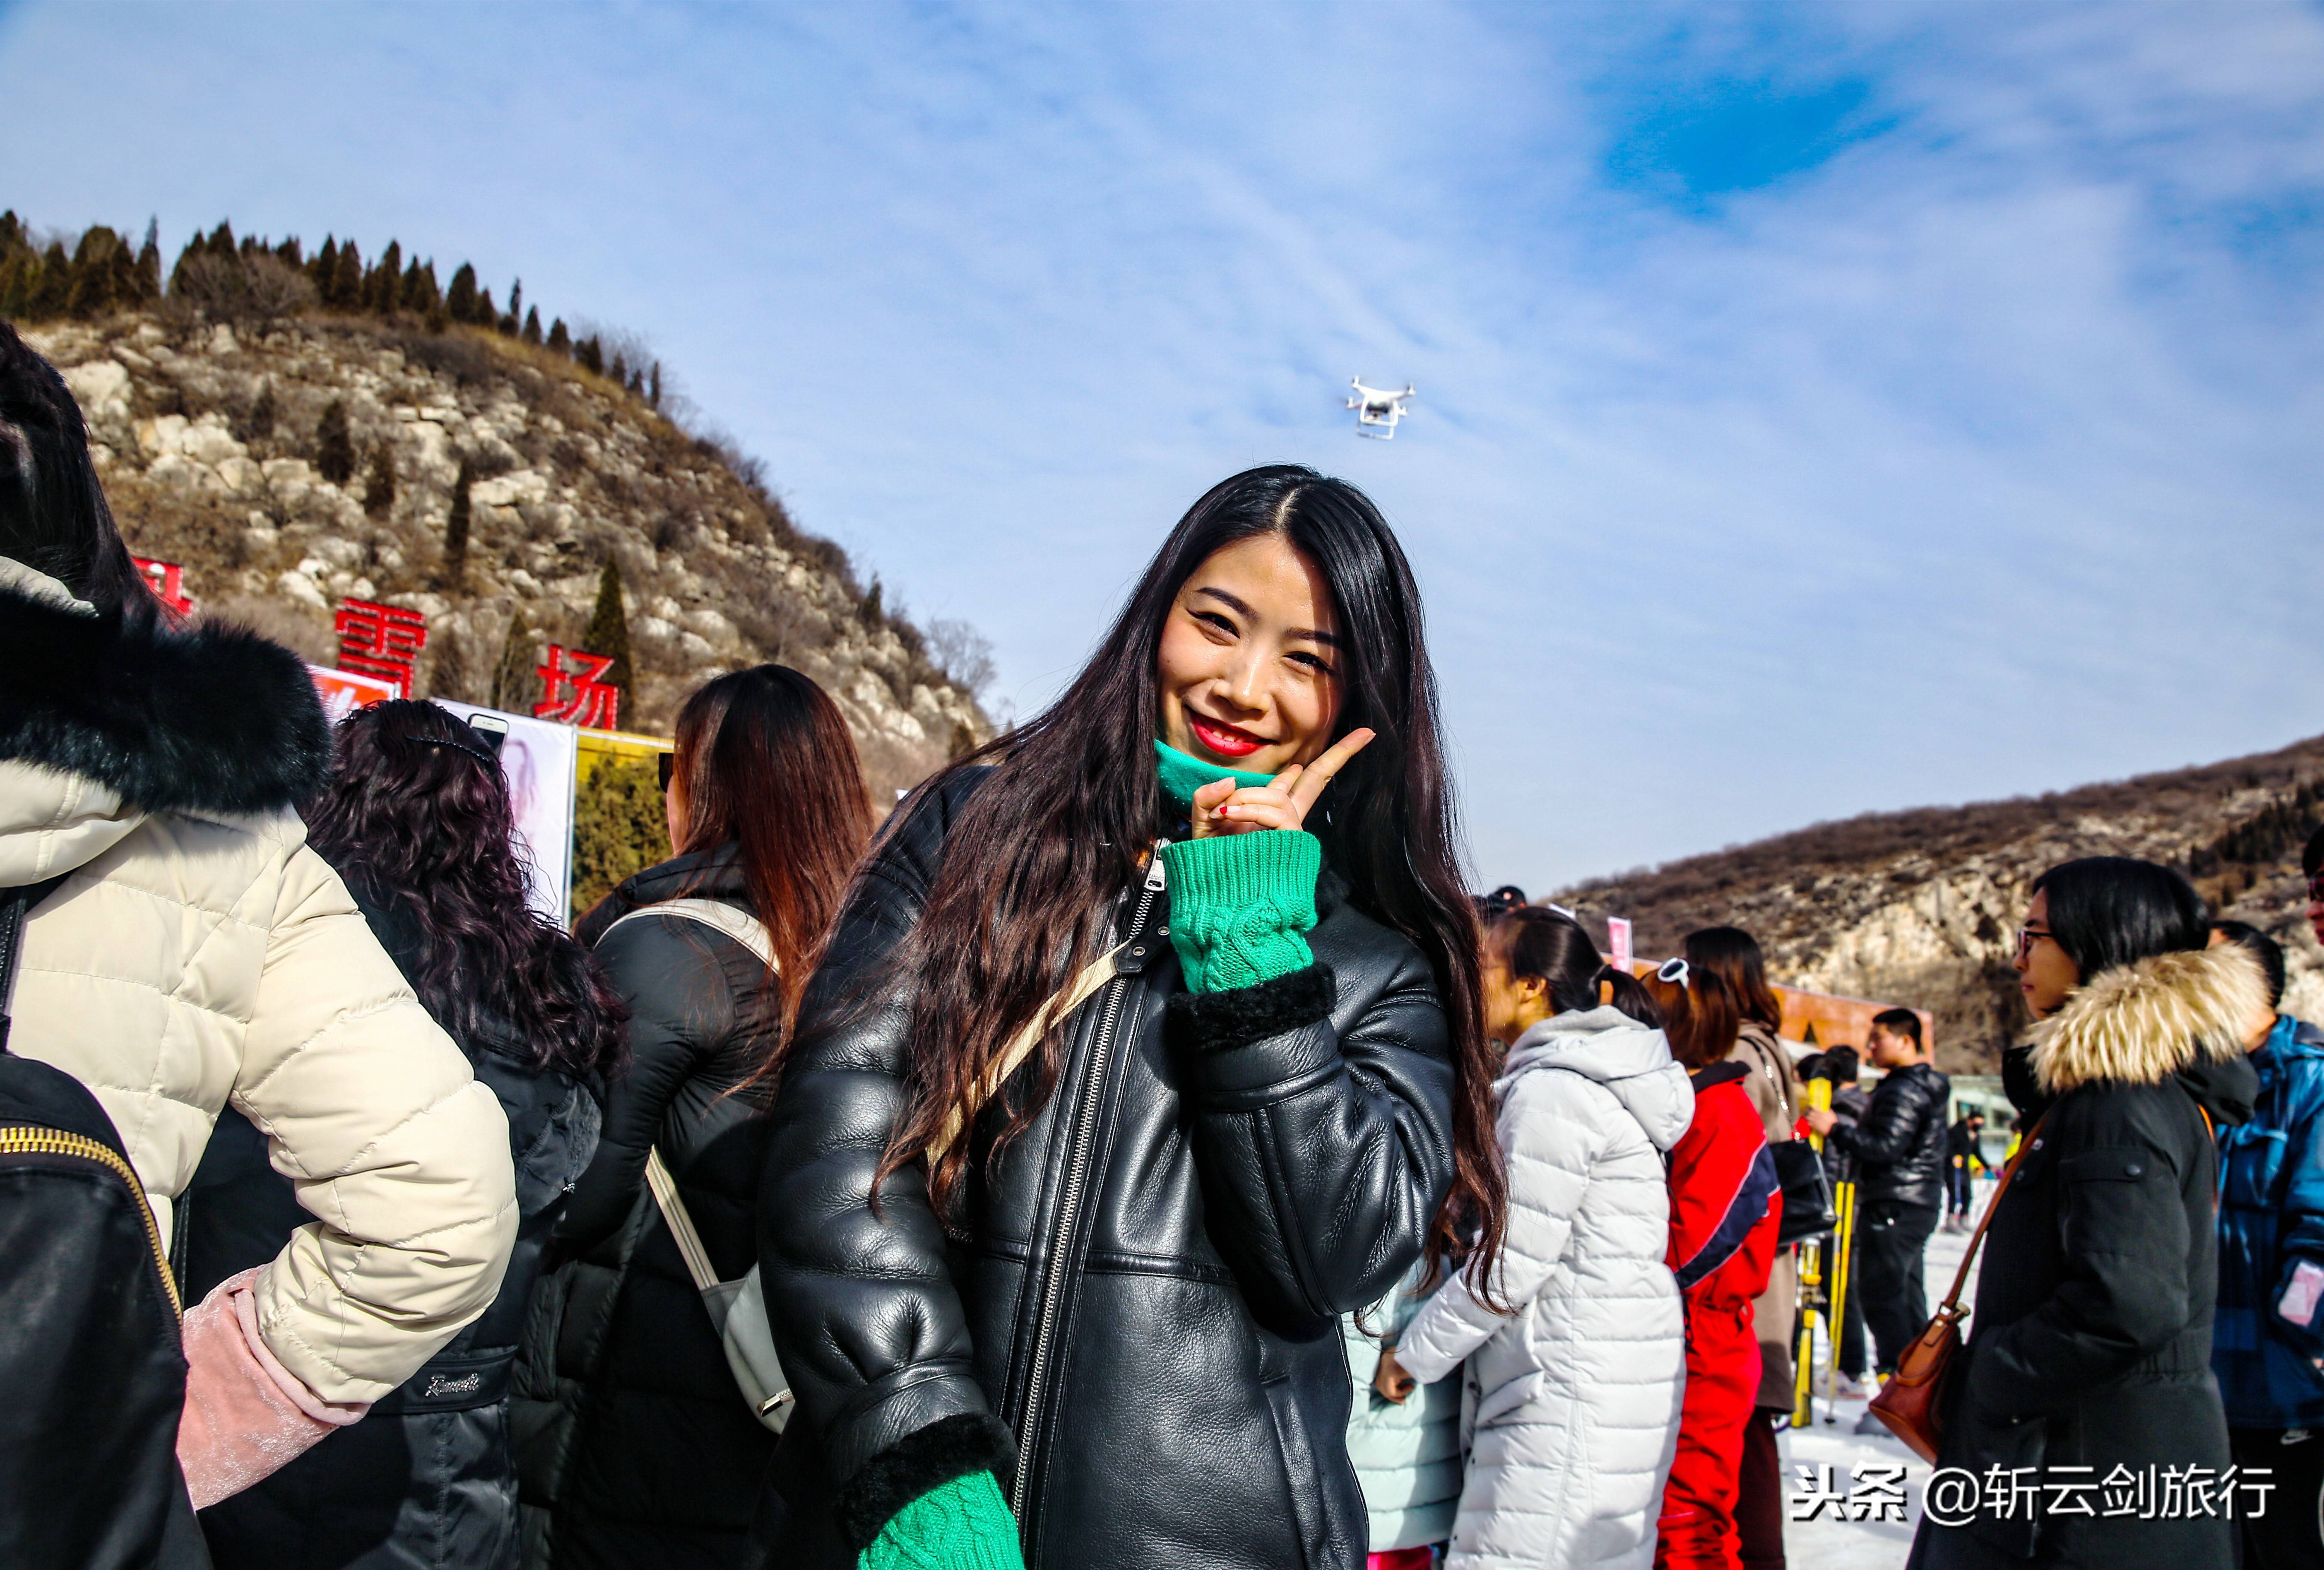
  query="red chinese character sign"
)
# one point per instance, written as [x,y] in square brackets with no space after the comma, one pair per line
[578,696]
[381,641]
[167,579]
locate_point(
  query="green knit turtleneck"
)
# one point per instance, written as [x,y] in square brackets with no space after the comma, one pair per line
[1241,904]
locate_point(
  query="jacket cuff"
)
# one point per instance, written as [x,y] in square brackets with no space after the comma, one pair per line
[1240,905]
[923,1461]
[961,1525]
[1219,1021]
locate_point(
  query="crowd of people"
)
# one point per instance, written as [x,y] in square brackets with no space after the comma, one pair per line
[1139,1149]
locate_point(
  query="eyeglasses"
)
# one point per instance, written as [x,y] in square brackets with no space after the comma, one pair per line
[667,764]
[2028,935]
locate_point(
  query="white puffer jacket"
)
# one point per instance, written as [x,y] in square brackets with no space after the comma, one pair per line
[199,952]
[1576,1396]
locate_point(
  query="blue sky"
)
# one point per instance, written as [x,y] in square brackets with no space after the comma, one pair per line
[1822,408]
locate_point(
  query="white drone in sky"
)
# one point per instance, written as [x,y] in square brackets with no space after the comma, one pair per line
[1377,406]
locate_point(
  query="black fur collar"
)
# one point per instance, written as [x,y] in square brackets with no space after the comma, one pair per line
[201,719]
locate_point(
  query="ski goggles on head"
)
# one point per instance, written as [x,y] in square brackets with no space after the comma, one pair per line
[1672,972]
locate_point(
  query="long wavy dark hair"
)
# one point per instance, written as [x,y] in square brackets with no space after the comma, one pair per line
[767,765]
[417,813]
[1038,854]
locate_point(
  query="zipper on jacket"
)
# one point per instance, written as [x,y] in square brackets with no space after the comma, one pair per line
[25,1139]
[1079,1149]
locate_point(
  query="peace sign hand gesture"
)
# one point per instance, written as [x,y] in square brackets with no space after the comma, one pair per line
[1223,806]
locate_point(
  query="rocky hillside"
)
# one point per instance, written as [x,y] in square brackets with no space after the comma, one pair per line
[1922,907]
[215,439]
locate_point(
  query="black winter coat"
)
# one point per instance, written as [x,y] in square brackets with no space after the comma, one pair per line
[427,1480]
[1899,1146]
[2090,1344]
[1135,1321]
[634,1444]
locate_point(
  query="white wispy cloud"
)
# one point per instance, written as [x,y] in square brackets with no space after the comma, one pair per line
[1820,409]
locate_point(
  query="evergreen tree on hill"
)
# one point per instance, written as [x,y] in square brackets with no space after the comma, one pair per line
[516,679]
[589,354]
[221,240]
[653,388]
[334,446]
[379,485]
[290,256]
[345,292]
[383,290]
[324,271]
[149,262]
[460,300]
[53,289]
[560,339]
[456,534]
[608,633]
[533,325]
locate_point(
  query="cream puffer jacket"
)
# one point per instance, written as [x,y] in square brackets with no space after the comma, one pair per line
[199,952]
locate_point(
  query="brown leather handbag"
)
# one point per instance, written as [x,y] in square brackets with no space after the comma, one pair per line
[1908,1401]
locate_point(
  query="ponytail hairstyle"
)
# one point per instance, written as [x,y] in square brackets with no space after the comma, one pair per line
[1551,948]
[1702,1012]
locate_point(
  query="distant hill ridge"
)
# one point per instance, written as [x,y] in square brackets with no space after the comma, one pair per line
[1921,907]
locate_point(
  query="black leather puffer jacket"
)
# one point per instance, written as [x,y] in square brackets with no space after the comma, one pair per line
[1142,1302]
[1899,1147]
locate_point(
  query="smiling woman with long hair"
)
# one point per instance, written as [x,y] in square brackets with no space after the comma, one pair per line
[417,820]
[1091,1245]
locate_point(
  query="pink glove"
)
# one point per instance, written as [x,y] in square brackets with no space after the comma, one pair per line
[246,1416]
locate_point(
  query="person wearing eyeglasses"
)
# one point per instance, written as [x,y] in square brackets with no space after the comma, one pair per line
[2088,1354]
[1899,1150]
[2267,1342]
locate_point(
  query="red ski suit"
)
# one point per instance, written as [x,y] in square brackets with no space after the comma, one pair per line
[1726,1206]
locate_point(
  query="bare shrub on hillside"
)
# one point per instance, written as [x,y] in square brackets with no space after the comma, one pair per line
[238,291]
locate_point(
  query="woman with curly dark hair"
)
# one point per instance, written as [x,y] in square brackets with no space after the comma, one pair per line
[417,823]
[1149,1043]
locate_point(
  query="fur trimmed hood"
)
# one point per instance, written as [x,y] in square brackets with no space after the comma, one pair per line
[2140,1024]
[206,719]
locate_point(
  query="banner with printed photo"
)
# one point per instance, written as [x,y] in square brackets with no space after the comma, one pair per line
[539,757]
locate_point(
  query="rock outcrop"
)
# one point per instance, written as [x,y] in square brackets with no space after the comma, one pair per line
[207,443]
[1922,907]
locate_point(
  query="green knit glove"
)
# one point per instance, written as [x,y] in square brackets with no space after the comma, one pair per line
[961,1525]
[1241,905]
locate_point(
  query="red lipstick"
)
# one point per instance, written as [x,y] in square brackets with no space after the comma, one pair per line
[1223,740]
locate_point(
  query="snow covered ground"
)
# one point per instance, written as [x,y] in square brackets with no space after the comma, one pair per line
[1828,1543]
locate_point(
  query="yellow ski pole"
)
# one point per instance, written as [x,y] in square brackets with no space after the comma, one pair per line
[1843,1246]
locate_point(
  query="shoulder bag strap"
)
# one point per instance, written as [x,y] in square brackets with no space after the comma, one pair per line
[681,1224]
[752,933]
[737,924]
[1977,1239]
[1094,976]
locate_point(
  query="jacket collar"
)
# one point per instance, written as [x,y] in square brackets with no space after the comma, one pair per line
[204,718]
[2140,1024]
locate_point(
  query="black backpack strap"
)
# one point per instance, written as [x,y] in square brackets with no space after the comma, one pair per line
[17,907]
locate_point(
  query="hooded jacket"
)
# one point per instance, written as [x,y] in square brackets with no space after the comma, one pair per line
[1576,1396]
[1406,1454]
[198,953]
[1774,1089]
[634,1442]
[2272,1222]
[2090,1344]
